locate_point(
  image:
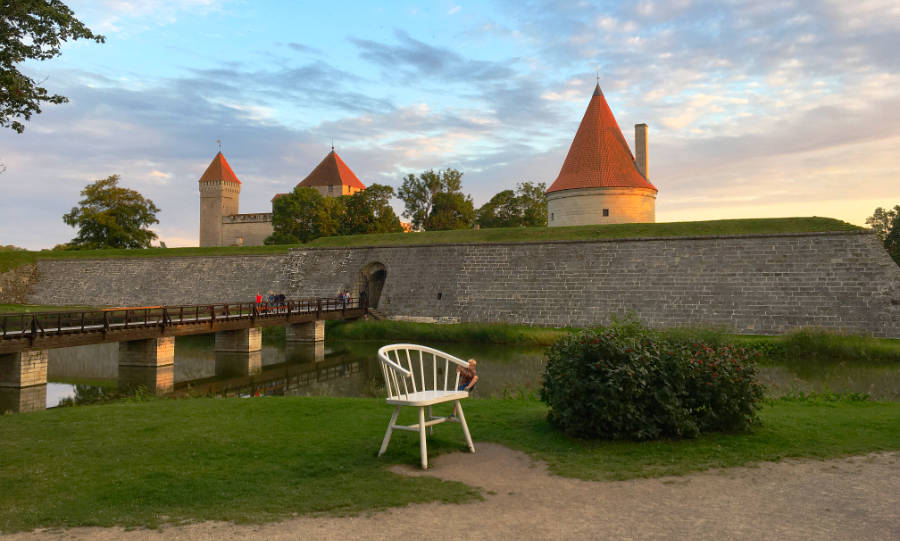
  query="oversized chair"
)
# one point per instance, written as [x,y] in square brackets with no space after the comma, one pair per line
[404,367]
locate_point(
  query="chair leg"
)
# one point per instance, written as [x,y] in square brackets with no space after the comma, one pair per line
[390,428]
[462,420]
[422,445]
[430,417]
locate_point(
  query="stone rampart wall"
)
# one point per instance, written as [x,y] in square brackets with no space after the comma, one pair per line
[749,284]
[141,281]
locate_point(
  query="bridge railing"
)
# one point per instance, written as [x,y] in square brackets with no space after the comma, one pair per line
[105,319]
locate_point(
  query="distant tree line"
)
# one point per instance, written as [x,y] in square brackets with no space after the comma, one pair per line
[886,224]
[433,201]
[305,214]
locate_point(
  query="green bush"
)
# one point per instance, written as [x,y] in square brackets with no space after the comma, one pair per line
[628,383]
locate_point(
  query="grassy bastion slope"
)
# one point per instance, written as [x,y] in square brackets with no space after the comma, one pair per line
[756,226]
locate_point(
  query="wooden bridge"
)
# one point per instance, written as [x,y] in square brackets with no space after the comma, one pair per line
[48,330]
[146,337]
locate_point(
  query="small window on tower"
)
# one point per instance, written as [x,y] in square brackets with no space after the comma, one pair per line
[330,189]
[551,216]
[606,212]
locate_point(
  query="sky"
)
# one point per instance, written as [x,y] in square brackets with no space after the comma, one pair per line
[755,109]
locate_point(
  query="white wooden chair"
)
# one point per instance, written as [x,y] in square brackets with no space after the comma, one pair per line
[404,367]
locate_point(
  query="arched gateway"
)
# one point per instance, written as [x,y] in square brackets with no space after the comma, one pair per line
[370,282]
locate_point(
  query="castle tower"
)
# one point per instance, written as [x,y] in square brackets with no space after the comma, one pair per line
[220,190]
[600,182]
[332,177]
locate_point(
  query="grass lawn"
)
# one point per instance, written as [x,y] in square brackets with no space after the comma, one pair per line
[140,464]
[13,258]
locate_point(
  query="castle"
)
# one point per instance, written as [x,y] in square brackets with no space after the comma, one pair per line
[221,224]
[600,182]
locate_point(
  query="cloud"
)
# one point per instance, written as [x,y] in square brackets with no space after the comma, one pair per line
[749,105]
[113,16]
[416,60]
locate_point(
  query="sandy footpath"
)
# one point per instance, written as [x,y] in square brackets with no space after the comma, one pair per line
[856,498]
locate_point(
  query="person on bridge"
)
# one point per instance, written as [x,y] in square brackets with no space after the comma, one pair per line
[258,298]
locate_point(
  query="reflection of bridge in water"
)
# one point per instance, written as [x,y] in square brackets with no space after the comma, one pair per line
[244,375]
[146,340]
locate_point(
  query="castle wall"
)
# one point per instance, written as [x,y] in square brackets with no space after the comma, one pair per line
[246,229]
[585,206]
[748,284]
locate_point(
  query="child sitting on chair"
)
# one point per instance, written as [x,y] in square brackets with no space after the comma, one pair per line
[468,377]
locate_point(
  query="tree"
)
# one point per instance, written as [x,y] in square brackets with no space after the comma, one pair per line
[109,216]
[886,224]
[526,207]
[501,211]
[369,211]
[32,30]
[418,193]
[533,203]
[450,211]
[304,215]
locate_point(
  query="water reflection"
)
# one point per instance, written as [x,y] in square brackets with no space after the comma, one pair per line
[337,368]
[23,399]
[153,379]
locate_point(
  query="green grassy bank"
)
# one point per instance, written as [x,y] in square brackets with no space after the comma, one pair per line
[479,333]
[141,464]
[809,344]
[15,258]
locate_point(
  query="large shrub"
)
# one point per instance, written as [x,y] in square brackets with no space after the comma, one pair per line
[626,382]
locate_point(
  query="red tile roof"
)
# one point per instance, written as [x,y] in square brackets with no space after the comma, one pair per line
[599,156]
[332,171]
[219,170]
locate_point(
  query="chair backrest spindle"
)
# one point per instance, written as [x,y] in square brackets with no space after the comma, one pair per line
[400,371]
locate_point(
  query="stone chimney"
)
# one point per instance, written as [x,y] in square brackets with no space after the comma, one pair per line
[640,149]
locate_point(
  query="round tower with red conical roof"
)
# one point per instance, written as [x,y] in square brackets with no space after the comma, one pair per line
[600,182]
[220,191]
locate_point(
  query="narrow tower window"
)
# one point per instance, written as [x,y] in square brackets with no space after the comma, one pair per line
[606,212]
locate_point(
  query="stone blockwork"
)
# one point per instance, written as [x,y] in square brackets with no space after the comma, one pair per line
[150,281]
[314,331]
[749,284]
[14,283]
[148,352]
[23,369]
[241,340]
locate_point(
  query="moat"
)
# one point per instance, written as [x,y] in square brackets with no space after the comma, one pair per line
[349,368]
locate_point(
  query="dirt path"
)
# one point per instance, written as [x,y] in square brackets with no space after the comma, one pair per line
[856,498]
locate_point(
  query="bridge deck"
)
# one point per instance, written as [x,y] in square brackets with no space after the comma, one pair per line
[47,330]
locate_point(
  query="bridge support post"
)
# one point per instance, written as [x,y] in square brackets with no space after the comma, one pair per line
[23,381]
[313,331]
[242,340]
[147,363]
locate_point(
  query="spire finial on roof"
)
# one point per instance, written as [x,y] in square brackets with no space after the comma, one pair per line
[219,142]
[332,144]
